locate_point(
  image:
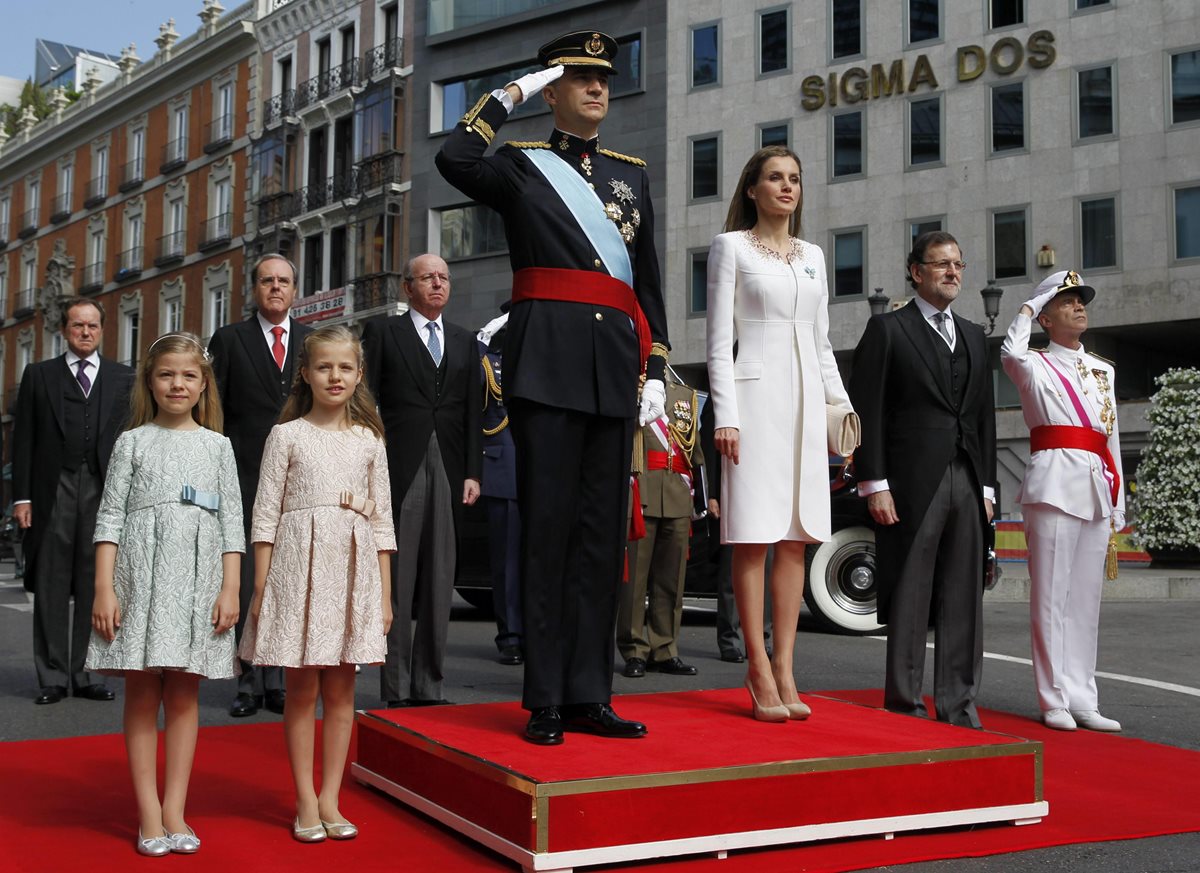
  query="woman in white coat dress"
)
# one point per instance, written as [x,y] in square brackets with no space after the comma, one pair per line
[767,290]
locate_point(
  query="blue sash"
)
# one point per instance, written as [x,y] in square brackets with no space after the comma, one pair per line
[588,211]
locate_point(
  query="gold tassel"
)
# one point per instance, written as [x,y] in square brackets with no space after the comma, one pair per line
[639,454]
[1110,560]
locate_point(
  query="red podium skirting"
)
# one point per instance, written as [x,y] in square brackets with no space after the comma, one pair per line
[707,778]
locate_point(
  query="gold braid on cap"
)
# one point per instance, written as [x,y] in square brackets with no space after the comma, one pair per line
[1071,280]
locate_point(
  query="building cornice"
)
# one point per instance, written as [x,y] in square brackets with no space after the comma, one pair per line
[292,18]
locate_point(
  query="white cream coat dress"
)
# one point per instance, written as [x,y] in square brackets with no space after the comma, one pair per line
[776,391]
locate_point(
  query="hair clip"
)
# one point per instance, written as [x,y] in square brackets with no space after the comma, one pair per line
[184,336]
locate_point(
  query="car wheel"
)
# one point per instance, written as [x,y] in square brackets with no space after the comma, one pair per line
[480,598]
[841,587]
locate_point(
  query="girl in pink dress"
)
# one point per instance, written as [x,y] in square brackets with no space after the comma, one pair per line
[322,532]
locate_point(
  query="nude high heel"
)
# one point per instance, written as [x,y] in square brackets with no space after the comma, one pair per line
[798,710]
[765,713]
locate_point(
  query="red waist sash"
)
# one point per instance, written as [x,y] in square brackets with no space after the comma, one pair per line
[1061,436]
[658,461]
[583,286]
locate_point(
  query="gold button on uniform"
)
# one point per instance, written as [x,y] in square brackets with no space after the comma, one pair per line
[599,316]
[596,263]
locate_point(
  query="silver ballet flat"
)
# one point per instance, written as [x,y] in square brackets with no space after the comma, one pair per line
[315,834]
[339,830]
[154,847]
[184,844]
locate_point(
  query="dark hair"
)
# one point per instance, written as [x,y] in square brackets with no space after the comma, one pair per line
[69,303]
[360,409]
[921,244]
[743,214]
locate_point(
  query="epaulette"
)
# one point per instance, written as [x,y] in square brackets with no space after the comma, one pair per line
[637,162]
[528,145]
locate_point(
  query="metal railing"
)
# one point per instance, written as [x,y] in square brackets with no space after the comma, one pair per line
[383,57]
[25,303]
[93,277]
[171,247]
[133,174]
[61,207]
[219,133]
[130,264]
[174,154]
[277,207]
[279,107]
[321,194]
[217,230]
[97,191]
[381,169]
[376,289]
[365,178]
[319,87]
[29,222]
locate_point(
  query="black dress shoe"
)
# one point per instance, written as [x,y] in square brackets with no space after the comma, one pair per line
[545,726]
[50,694]
[673,666]
[511,655]
[733,656]
[275,701]
[244,705]
[599,719]
[95,692]
[634,668]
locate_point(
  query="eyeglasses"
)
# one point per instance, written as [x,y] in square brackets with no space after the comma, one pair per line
[429,277]
[281,281]
[944,266]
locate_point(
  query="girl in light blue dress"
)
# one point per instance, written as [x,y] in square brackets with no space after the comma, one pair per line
[168,539]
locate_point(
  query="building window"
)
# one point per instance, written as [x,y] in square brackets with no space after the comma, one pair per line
[1097,115]
[131,257]
[918,226]
[775,133]
[135,167]
[1187,222]
[847,133]
[1009,244]
[222,124]
[705,153]
[1081,5]
[375,120]
[1185,87]
[924,20]
[706,55]
[93,270]
[177,147]
[5,217]
[845,17]
[925,132]
[217,314]
[471,231]
[774,41]
[131,329]
[698,282]
[849,262]
[1008,117]
[3,292]
[172,306]
[1006,13]
[1098,233]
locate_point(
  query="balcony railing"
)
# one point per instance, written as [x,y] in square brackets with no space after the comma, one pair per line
[220,134]
[321,194]
[133,174]
[26,303]
[97,192]
[61,208]
[129,264]
[174,155]
[29,223]
[378,170]
[279,107]
[383,57]
[217,230]
[171,248]
[377,289]
[326,84]
[277,207]
[93,278]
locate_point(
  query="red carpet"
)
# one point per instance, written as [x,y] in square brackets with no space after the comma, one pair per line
[67,805]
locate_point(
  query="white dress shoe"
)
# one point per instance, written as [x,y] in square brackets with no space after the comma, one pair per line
[1059,719]
[1094,721]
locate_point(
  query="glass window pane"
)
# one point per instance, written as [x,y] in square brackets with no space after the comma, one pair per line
[923,20]
[1008,117]
[704,168]
[698,301]
[1095,102]
[705,67]
[1008,244]
[1098,231]
[848,264]
[1007,12]
[925,132]
[847,28]
[775,134]
[1089,4]
[916,228]
[773,41]
[470,231]
[847,144]
[447,15]
[629,67]
[1185,87]
[1187,222]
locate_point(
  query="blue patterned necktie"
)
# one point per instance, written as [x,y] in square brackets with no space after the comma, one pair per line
[435,345]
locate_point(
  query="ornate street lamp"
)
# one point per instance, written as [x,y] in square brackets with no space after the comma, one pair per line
[878,302]
[991,303]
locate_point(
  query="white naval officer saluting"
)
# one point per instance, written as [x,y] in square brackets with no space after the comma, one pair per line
[1071,495]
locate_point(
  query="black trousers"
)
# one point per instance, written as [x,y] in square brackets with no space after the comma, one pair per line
[252,680]
[573,489]
[504,551]
[66,570]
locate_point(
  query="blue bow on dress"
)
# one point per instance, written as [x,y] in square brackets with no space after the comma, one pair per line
[209,500]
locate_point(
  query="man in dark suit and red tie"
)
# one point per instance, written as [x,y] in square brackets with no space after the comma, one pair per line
[253,363]
[424,373]
[69,412]
[927,466]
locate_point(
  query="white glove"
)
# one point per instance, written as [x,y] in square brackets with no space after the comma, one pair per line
[1118,520]
[654,401]
[490,329]
[533,83]
[1037,303]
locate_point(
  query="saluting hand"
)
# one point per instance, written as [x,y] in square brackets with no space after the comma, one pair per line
[532,83]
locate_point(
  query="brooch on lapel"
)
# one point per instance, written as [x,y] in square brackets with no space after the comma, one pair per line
[811,272]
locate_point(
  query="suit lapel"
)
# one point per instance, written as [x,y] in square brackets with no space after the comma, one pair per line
[415,354]
[108,392]
[56,386]
[975,351]
[255,345]
[922,339]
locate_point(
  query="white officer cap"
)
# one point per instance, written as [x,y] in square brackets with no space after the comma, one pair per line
[1065,280]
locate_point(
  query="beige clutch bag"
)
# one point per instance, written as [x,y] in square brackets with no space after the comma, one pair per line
[843,429]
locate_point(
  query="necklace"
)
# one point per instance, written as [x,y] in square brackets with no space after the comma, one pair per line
[796,248]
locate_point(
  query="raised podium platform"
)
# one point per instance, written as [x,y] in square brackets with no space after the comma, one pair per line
[707,778]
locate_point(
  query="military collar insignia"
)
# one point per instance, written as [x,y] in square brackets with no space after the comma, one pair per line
[569,144]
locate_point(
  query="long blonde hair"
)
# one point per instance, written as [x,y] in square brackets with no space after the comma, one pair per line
[743,214]
[142,407]
[361,405]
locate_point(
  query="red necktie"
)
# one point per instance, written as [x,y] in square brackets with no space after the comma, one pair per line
[277,347]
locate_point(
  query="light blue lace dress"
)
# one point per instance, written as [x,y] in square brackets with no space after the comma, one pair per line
[168,572]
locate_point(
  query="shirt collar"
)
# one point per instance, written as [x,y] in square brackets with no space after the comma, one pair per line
[266,326]
[928,309]
[1064,352]
[575,146]
[419,322]
[93,359]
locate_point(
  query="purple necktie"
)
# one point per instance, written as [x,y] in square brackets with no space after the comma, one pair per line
[84,382]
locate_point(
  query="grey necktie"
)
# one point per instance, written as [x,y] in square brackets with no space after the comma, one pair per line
[435,344]
[941,318]
[81,375]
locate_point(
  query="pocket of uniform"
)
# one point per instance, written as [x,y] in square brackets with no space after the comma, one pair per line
[747,370]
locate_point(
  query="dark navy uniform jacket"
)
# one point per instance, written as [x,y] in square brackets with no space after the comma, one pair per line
[499,453]
[569,355]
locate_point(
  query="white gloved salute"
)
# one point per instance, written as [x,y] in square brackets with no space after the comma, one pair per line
[654,401]
[533,83]
[1038,303]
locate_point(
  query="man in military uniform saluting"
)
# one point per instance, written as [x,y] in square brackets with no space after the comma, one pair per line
[587,321]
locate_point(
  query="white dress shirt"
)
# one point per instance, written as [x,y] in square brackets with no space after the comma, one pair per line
[92,370]
[420,322]
[267,327]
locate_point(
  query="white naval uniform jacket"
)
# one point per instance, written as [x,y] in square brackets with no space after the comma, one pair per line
[1072,480]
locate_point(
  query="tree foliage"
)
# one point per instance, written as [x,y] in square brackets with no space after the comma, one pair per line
[31,95]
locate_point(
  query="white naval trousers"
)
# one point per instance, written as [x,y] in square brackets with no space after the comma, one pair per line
[1066,571]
